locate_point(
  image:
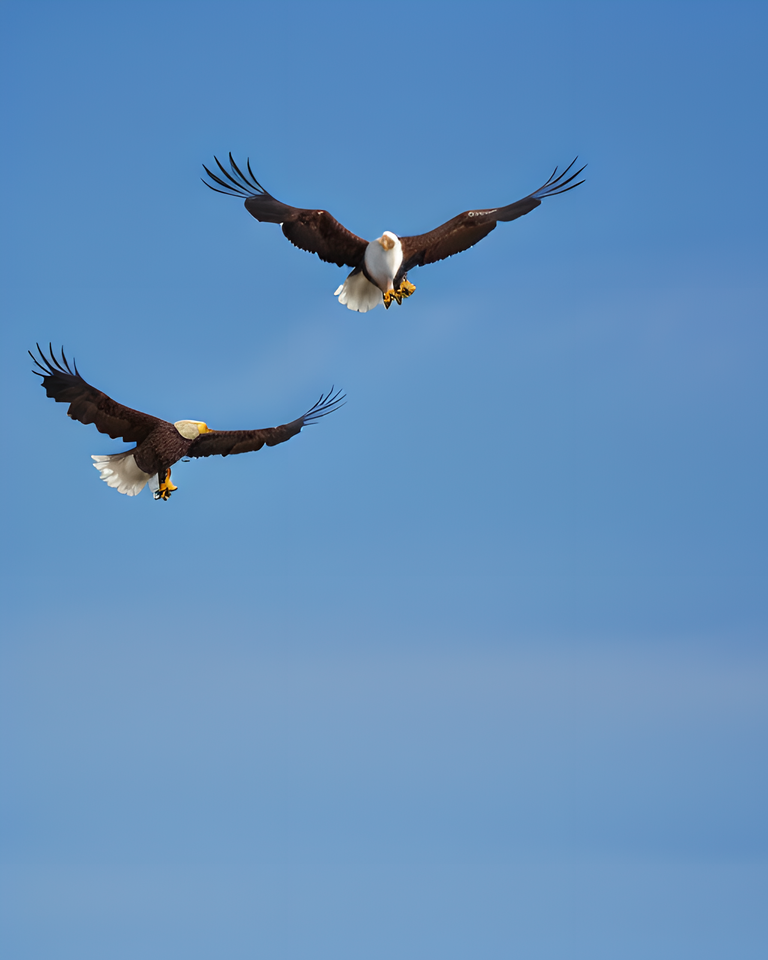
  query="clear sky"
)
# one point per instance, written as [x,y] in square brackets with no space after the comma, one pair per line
[475,667]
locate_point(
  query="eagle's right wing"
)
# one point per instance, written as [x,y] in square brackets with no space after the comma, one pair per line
[313,230]
[89,405]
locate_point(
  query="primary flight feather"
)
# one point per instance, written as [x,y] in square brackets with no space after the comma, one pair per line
[380,273]
[159,443]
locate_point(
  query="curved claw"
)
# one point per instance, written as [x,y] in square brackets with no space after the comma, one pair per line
[166,488]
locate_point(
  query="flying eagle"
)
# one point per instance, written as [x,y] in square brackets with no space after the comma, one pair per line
[159,444]
[381,266]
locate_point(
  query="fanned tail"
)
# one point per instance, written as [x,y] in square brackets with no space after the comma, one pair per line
[119,470]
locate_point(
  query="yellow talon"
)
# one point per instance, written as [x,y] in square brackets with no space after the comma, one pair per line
[166,488]
[404,290]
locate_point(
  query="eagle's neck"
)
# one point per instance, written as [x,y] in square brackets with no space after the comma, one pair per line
[383,258]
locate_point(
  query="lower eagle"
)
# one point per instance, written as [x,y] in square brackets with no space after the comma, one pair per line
[380,273]
[159,444]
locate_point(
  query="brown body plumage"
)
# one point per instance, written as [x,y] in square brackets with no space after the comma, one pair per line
[318,232]
[159,443]
[163,447]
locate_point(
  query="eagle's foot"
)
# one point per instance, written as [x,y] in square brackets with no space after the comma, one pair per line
[405,289]
[166,488]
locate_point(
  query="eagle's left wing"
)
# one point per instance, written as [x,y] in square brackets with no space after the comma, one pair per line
[225,442]
[313,230]
[469,227]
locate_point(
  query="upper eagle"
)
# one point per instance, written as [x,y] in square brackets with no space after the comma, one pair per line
[381,266]
[159,444]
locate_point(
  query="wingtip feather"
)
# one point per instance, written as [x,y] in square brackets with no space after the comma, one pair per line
[237,183]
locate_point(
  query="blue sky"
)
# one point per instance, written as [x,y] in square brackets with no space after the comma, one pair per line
[477,665]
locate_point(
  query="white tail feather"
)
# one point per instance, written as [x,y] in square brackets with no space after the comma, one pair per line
[119,470]
[358,293]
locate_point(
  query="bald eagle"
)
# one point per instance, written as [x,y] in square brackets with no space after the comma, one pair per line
[381,266]
[159,444]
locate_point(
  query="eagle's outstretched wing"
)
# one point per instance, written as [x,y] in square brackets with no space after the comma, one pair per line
[467,228]
[313,230]
[225,442]
[89,405]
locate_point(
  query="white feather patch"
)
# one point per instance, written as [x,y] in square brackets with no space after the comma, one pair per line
[119,470]
[382,265]
[358,293]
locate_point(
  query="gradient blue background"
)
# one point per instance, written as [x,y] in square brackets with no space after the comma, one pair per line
[477,666]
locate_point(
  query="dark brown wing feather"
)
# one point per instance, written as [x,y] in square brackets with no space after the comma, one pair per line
[313,230]
[469,227]
[456,235]
[225,442]
[89,405]
[318,232]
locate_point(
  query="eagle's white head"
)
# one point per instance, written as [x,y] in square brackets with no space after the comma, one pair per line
[388,240]
[383,258]
[191,429]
